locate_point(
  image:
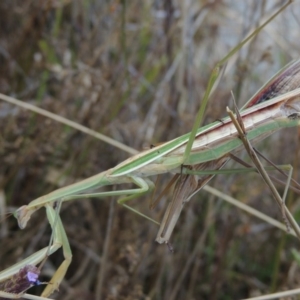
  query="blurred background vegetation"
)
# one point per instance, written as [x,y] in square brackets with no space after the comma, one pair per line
[136,71]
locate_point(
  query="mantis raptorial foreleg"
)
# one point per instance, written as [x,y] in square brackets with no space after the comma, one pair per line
[72,192]
[59,240]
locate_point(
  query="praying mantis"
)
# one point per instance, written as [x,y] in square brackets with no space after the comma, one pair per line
[209,143]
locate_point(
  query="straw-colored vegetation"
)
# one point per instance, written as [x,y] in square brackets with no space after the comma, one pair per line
[136,71]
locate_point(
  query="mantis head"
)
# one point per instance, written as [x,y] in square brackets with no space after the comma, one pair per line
[23,215]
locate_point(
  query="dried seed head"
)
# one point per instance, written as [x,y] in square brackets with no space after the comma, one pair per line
[21,281]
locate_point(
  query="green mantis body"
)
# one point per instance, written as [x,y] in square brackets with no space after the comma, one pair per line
[212,143]
[210,146]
